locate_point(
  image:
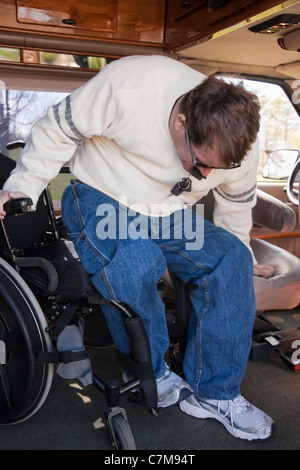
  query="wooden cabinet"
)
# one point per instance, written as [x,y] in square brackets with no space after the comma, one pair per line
[184,21]
[182,8]
[191,21]
[121,21]
[230,10]
[168,24]
[90,14]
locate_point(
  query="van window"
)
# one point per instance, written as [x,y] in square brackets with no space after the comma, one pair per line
[19,110]
[53,59]
[279,131]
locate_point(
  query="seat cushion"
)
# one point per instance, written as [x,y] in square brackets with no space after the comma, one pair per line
[73,280]
[282,290]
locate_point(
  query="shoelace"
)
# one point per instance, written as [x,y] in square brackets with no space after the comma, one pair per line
[238,405]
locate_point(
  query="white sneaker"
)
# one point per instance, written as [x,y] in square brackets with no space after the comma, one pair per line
[239,417]
[171,389]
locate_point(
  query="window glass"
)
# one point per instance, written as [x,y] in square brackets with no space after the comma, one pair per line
[70,60]
[9,54]
[19,110]
[53,58]
[279,130]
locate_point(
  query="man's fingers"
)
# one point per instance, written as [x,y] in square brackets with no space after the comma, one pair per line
[263,270]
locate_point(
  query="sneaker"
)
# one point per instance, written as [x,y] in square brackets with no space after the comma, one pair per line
[171,389]
[239,417]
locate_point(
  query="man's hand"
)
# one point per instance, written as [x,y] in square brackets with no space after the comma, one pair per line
[6,196]
[263,270]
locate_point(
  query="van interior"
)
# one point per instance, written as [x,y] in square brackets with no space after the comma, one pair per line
[47,50]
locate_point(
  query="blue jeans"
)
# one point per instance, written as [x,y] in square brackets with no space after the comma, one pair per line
[127,268]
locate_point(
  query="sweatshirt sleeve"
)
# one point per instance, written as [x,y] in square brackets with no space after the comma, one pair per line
[235,199]
[88,111]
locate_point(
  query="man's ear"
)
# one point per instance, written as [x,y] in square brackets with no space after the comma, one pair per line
[180,123]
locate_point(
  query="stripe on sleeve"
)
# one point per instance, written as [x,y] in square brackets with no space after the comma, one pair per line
[242,198]
[68,116]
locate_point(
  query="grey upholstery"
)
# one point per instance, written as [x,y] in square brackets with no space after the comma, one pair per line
[282,290]
[273,213]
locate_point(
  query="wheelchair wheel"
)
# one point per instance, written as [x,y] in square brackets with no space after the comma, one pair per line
[24,382]
[123,434]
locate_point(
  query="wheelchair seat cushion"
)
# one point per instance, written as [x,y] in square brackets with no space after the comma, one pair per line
[73,280]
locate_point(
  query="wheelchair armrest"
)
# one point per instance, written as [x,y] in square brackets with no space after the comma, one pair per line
[272,213]
[17,206]
[44,264]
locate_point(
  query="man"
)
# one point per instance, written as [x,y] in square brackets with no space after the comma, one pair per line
[155,136]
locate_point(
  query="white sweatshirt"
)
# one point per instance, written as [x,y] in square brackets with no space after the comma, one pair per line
[114,131]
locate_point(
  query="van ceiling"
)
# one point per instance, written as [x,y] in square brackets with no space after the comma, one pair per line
[238,49]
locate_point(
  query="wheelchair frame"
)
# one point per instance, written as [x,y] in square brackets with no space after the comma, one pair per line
[42,355]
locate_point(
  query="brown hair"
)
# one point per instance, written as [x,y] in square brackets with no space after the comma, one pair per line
[222,112]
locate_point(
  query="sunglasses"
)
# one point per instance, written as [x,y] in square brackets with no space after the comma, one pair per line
[199,164]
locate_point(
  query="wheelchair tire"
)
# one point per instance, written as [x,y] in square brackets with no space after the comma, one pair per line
[124,436]
[24,382]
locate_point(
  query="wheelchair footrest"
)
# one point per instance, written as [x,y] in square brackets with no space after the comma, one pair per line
[70,357]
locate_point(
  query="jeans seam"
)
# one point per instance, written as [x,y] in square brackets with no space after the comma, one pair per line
[109,287]
[104,259]
[185,255]
[75,195]
[83,233]
[198,337]
[95,250]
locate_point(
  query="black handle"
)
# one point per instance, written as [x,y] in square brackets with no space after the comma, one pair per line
[17,206]
[69,21]
[186,4]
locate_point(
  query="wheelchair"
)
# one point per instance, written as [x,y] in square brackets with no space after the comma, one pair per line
[45,297]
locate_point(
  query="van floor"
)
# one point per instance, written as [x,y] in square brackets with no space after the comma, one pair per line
[72,417]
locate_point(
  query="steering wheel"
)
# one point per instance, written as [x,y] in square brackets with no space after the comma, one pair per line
[293,197]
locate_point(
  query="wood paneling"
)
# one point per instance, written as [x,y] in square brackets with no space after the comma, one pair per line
[204,21]
[120,21]
[89,14]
